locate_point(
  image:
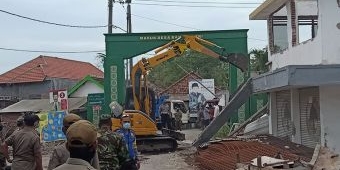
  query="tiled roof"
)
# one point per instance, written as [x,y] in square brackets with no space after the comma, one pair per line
[189,75]
[222,155]
[50,67]
[176,87]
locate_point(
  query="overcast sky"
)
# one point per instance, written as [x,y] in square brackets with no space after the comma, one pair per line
[18,33]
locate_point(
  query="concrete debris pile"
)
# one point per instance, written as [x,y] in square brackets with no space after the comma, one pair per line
[227,154]
[326,159]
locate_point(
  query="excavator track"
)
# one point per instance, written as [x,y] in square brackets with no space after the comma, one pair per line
[159,143]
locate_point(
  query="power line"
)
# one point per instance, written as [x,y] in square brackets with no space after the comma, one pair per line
[197,2]
[194,6]
[42,51]
[58,24]
[166,22]
[152,19]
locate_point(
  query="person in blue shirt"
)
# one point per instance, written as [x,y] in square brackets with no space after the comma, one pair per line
[130,139]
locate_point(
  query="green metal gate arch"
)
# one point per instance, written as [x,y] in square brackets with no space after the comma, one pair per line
[126,46]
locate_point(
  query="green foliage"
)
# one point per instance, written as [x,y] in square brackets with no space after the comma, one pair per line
[258,60]
[223,132]
[209,68]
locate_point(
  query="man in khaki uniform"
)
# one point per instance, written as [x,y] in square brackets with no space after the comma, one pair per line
[60,153]
[26,147]
[82,144]
[20,124]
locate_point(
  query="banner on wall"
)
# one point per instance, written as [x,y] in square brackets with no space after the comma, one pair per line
[199,92]
[50,126]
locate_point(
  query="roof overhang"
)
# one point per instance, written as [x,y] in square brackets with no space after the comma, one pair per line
[266,9]
[296,76]
[41,105]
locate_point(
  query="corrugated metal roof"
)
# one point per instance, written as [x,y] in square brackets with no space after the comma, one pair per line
[222,155]
[37,105]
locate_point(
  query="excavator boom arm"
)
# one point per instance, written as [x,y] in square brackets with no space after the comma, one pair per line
[237,59]
[141,69]
[169,51]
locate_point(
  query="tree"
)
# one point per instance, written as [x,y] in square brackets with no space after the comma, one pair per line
[169,72]
[258,60]
[100,59]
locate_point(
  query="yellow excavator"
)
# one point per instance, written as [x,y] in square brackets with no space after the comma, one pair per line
[140,99]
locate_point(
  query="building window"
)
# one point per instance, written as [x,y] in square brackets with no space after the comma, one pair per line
[278,31]
[338,3]
[307,20]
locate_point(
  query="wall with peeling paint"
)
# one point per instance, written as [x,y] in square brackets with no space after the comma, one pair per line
[330,116]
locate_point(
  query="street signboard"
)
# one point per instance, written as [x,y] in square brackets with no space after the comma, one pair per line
[95,104]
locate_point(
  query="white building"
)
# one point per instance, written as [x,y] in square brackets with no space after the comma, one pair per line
[304,77]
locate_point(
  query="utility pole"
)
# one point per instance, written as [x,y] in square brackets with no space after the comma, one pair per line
[109,26]
[129,30]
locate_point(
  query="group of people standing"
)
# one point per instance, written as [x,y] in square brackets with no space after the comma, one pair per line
[208,114]
[167,119]
[85,148]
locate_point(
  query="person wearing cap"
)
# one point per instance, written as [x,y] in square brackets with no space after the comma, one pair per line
[112,151]
[60,153]
[130,139]
[26,146]
[82,144]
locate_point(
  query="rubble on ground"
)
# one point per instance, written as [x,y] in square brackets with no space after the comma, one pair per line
[47,147]
[226,154]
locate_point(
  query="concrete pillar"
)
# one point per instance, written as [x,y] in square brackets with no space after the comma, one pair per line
[270,35]
[292,24]
[272,114]
[295,115]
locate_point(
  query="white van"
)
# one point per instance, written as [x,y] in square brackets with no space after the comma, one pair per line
[181,105]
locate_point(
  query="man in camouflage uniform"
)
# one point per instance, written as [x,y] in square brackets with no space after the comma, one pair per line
[60,153]
[82,144]
[112,151]
[130,141]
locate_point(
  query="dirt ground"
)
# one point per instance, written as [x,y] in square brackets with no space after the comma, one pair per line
[166,161]
[175,160]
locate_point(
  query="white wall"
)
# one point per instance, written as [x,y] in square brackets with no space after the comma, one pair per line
[329,18]
[323,49]
[303,8]
[308,53]
[330,116]
[87,88]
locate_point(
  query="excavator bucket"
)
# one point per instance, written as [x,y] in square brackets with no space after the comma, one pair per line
[239,60]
